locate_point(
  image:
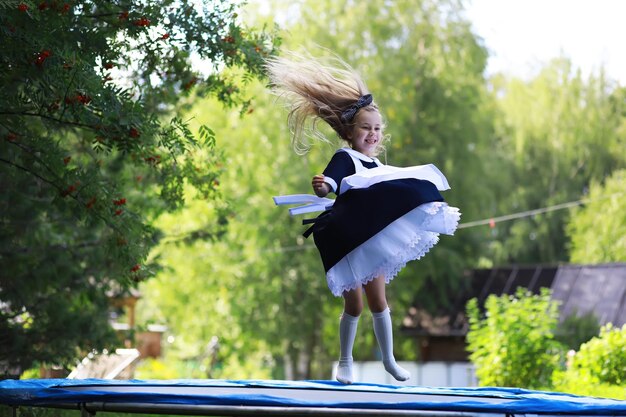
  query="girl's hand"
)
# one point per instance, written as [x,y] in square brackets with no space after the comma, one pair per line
[320,188]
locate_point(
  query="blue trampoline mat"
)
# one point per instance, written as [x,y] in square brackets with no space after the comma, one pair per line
[271,398]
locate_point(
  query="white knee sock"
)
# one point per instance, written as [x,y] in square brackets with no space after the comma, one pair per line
[384,336]
[347,332]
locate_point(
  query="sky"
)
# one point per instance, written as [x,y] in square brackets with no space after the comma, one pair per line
[522,35]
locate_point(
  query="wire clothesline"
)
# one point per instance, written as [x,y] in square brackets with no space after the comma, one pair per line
[527,213]
[491,221]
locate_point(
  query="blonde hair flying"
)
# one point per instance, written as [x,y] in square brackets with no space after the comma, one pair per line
[316,90]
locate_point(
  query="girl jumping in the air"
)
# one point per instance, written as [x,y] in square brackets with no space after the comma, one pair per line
[382,217]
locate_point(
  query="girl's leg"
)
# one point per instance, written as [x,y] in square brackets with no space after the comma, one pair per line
[377,301]
[375,293]
[353,305]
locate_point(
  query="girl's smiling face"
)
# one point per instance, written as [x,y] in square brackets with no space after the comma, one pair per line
[366,134]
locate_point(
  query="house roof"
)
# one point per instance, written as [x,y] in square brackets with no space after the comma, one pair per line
[581,289]
[597,289]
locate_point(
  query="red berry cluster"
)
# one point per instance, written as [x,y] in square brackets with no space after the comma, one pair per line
[78,98]
[190,83]
[91,202]
[133,133]
[143,22]
[22,7]
[70,189]
[47,5]
[41,57]
[83,98]
[153,160]
[119,203]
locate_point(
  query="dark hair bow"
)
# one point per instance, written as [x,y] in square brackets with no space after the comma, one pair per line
[348,114]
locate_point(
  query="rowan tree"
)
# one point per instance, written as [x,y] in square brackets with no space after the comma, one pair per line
[91,148]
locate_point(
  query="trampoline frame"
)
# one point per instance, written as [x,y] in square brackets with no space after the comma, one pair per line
[91,408]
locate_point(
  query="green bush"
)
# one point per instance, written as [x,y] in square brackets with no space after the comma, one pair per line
[580,382]
[512,342]
[599,368]
[604,356]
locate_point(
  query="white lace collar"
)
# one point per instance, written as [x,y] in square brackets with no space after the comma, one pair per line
[357,154]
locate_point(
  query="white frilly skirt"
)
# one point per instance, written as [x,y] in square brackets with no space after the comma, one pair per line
[407,238]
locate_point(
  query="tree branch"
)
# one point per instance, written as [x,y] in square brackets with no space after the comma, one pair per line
[43,116]
[47,181]
[63,247]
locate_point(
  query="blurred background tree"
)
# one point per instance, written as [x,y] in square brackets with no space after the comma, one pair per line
[598,230]
[558,133]
[261,287]
[276,292]
[91,150]
[242,292]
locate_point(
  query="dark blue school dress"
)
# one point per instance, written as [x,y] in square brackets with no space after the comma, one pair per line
[382,218]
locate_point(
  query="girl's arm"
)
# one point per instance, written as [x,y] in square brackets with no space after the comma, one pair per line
[320,188]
